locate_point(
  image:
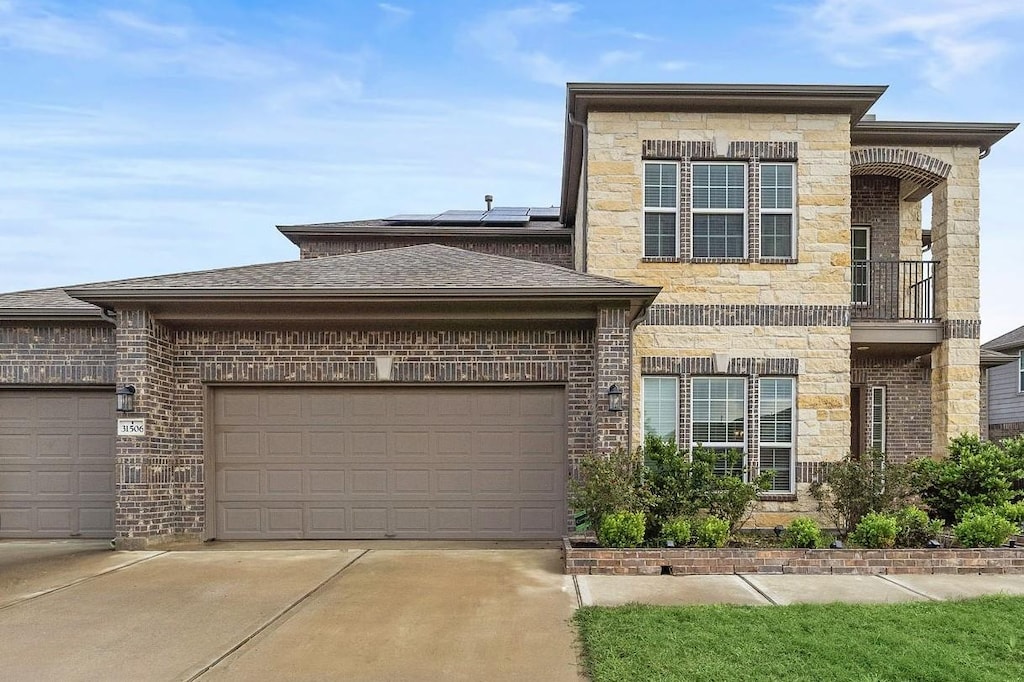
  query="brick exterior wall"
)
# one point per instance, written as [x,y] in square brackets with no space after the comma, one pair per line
[601,561]
[551,251]
[875,201]
[908,404]
[162,477]
[79,354]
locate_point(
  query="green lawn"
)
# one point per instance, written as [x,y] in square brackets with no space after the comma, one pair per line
[978,639]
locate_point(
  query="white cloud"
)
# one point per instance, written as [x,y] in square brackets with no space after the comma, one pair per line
[674,66]
[505,37]
[395,12]
[945,39]
[615,57]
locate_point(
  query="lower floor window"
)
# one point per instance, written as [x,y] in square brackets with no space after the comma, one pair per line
[718,419]
[661,407]
[776,428]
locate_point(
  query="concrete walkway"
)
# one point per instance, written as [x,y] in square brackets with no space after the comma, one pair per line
[600,590]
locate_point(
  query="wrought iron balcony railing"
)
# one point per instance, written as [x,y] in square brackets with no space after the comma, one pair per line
[894,290]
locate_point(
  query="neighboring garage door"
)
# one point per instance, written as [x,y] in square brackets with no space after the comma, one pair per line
[403,462]
[56,463]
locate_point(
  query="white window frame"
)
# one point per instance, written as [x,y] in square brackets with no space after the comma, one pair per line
[694,211]
[1020,371]
[877,439]
[866,229]
[790,444]
[643,401]
[722,445]
[674,210]
[791,211]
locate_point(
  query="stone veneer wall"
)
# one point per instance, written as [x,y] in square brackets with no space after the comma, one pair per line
[601,561]
[70,354]
[908,404]
[761,310]
[549,250]
[164,487]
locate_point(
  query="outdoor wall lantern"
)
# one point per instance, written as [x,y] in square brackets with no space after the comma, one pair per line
[614,398]
[125,398]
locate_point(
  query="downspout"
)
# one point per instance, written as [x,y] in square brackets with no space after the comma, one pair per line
[984,151]
[108,316]
[638,319]
[583,182]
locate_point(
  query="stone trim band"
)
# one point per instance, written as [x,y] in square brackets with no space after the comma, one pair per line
[748,315]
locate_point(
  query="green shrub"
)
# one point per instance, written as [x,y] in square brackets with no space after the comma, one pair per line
[875,531]
[803,532]
[607,484]
[621,529]
[976,474]
[854,488]
[914,528]
[711,531]
[677,530]
[983,529]
[1012,511]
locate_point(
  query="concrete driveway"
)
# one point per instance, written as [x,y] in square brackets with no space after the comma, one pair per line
[77,611]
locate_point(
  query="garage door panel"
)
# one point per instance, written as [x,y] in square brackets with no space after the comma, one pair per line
[416,462]
[240,407]
[56,462]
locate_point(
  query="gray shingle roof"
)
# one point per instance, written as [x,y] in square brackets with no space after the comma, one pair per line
[1008,341]
[44,302]
[425,266]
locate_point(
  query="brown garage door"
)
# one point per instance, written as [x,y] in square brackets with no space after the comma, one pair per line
[398,462]
[56,463]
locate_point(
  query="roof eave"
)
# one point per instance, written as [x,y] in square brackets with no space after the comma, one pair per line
[42,314]
[956,134]
[113,297]
[294,231]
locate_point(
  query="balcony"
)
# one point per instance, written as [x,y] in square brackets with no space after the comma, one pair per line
[893,305]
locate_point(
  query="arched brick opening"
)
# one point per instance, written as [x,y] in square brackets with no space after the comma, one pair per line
[926,172]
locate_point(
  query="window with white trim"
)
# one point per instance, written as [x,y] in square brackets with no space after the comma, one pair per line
[718,418]
[718,203]
[661,407]
[1020,372]
[776,423]
[878,418]
[777,204]
[661,209]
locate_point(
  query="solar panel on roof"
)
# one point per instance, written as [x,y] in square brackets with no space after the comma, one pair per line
[510,210]
[411,217]
[497,218]
[544,212]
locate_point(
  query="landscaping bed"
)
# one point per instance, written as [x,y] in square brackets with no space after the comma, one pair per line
[590,560]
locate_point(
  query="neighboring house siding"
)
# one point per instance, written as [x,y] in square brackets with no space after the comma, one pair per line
[1005,402]
[68,354]
[548,250]
[908,404]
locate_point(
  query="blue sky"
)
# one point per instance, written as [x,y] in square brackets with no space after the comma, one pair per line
[160,136]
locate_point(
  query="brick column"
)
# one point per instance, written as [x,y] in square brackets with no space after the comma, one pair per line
[612,349]
[955,379]
[146,505]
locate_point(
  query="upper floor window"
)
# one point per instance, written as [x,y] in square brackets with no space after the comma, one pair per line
[777,202]
[719,210]
[661,209]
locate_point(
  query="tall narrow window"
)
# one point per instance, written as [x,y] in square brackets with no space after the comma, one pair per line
[719,210]
[661,407]
[878,418]
[719,413]
[1020,370]
[776,428]
[860,254]
[777,202]
[661,209]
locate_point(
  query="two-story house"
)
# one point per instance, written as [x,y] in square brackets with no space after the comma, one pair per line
[1003,387]
[736,266]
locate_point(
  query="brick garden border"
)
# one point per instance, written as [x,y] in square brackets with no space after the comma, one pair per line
[686,561]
